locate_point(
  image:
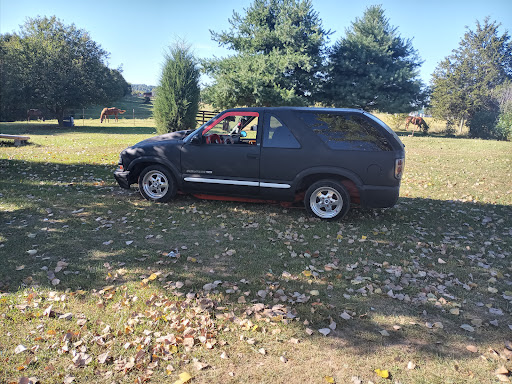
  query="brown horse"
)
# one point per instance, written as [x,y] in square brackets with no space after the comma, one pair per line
[35,113]
[418,121]
[109,112]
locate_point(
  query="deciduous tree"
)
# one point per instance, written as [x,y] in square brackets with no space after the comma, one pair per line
[56,67]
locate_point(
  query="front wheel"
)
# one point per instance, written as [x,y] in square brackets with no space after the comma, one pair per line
[156,183]
[327,199]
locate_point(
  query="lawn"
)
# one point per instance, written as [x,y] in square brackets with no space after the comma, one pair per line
[99,285]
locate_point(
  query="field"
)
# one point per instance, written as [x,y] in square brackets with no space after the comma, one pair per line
[99,285]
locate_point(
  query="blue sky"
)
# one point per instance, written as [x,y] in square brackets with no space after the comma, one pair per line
[137,33]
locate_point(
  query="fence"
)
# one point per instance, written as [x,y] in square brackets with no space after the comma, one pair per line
[141,112]
[203,116]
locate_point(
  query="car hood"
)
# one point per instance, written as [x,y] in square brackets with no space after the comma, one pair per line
[178,135]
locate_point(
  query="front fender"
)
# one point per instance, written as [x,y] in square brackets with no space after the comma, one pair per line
[157,160]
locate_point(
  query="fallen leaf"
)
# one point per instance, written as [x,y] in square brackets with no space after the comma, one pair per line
[200,366]
[20,348]
[184,377]
[103,357]
[467,327]
[66,316]
[455,311]
[502,371]
[329,379]
[472,348]
[503,378]
[384,373]
[345,316]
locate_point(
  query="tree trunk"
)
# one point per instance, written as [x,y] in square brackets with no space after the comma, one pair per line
[60,117]
[461,124]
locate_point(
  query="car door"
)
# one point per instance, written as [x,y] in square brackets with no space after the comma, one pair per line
[224,158]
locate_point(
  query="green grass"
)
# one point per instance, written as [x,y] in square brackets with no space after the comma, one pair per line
[445,247]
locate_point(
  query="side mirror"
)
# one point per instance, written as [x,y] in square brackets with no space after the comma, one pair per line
[196,140]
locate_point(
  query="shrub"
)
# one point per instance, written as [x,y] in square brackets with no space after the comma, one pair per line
[504,126]
[177,98]
[483,125]
[397,120]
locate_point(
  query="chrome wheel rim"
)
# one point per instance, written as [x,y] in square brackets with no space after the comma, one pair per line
[155,184]
[326,202]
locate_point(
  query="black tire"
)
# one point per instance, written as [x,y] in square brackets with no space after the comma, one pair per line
[156,183]
[327,200]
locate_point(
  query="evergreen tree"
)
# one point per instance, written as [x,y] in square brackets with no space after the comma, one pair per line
[279,46]
[373,68]
[464,82]
[55,67]
[177,97]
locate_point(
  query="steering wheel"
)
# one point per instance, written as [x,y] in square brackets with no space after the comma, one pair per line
[213,138]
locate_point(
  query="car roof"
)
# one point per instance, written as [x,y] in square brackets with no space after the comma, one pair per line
[298,109]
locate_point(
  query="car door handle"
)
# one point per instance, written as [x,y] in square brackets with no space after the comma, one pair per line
[253,156]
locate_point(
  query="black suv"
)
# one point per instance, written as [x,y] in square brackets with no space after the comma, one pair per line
[328,158]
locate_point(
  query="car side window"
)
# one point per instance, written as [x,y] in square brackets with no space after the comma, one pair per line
[233,129]
[346,131]
[278,135]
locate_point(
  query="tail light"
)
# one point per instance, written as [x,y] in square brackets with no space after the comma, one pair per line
[399,168]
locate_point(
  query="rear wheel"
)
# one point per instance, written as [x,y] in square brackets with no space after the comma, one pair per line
[327,199]
[156,183]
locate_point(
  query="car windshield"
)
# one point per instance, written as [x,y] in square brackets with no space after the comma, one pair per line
[193,133]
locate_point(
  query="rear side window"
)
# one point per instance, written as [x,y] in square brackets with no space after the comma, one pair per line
[277,135]
[346,131]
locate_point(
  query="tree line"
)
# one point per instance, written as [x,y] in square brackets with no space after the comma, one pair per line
[280,56]
[54,67]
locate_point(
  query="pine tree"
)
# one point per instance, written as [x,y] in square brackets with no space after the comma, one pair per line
[279,47]
[177,96]
[373,68]
[464,82]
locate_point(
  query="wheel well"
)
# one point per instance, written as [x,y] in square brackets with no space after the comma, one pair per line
[351,187]
[137,169]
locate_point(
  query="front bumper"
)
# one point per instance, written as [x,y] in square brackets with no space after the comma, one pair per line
[122,178]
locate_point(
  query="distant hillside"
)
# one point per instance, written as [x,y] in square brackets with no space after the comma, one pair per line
[142,88]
